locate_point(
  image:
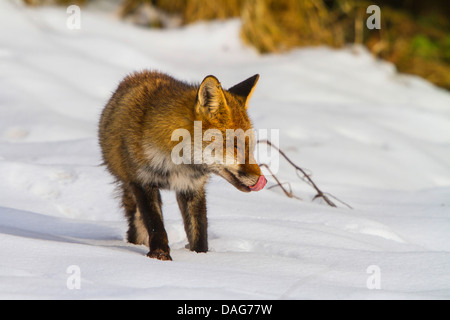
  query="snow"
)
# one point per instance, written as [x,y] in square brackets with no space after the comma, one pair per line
[374,138]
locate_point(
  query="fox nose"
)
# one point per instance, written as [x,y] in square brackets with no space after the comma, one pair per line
[260,184]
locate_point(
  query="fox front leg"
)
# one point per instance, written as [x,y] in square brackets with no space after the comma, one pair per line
[193,209]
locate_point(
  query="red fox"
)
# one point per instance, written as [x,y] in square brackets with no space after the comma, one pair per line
[135,134]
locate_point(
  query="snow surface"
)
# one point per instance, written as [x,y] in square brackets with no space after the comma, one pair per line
[378,140]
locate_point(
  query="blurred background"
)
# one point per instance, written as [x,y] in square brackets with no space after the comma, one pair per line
[414,35]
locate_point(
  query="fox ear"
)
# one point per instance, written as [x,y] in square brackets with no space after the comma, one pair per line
[245,88]
[210,95]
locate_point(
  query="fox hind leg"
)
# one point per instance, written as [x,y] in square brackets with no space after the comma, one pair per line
[137,232]
[148,203]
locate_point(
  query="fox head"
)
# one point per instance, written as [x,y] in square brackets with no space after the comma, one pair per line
[224,112]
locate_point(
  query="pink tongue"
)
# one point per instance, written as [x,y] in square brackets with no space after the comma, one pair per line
[260,184]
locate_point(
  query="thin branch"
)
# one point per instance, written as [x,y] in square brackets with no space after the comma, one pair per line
[337,199]
[287,193]
[282,183]
[306,176]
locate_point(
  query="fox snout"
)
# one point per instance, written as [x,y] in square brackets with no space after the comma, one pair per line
[246,178]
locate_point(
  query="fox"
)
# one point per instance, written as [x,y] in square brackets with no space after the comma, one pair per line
[135,136]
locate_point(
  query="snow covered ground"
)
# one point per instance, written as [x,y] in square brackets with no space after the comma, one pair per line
[378,140]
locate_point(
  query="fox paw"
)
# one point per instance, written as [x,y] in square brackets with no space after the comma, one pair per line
[160,255]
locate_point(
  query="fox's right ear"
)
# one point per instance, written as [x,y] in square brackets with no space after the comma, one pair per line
[245,88]
[210,96]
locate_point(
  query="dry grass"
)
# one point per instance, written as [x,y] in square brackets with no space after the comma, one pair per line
[57,2]
[208,10]
[274,26]
[189,10]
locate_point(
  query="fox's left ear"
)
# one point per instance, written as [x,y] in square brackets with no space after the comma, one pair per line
[245,88]
[210,96]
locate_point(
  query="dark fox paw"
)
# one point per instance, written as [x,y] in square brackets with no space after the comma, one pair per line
[160,255]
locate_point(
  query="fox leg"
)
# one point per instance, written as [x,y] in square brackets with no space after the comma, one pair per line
[193,209]
[149,206]
[137,232]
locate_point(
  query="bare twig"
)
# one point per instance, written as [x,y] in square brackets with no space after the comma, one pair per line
[304,176]
[337,199]
[287,193]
